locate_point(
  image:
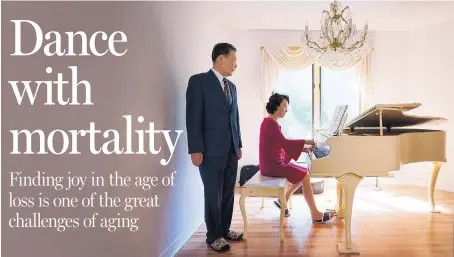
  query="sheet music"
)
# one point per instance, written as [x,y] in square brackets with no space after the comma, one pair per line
[339,118]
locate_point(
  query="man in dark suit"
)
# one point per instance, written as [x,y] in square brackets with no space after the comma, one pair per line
[214,142]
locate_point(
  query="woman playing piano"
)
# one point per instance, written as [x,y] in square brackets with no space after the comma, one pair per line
[276,151]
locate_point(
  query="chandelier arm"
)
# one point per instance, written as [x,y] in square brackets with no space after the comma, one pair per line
[343,10]
[342,14]
[344,20]
[316,49]
[317,45]
[327,14]
[361,42]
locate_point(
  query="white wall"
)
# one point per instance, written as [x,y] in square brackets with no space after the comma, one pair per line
[188,48]
[395,78]
[415,66]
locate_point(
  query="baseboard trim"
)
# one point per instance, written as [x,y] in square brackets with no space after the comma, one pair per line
[178,243]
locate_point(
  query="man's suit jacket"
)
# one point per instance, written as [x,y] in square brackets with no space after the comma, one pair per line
[208,116]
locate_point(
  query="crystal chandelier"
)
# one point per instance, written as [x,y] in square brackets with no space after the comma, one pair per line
[339,38]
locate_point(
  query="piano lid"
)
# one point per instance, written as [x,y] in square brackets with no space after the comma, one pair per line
[393,115]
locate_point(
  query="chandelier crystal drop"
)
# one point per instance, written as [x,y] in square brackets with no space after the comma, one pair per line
[339,38]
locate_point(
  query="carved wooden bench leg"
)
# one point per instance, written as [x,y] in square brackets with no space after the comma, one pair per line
[287,184]
[243,211]
[283,207]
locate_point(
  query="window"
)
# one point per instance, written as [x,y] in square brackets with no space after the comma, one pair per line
[314,94]
[298,122]
[338,87]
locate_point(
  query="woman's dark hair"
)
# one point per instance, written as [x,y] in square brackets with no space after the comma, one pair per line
[274,102]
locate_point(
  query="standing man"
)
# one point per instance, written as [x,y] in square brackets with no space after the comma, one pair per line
[214,142]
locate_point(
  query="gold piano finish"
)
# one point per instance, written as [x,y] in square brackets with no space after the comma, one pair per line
[373,144]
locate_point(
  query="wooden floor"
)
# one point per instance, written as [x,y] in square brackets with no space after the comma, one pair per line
[387,223]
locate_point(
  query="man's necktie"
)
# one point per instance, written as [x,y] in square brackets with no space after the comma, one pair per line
[228,97]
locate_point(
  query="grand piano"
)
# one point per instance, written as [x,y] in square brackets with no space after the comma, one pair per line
[374,144]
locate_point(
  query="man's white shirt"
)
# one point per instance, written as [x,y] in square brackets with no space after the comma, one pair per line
[220,78]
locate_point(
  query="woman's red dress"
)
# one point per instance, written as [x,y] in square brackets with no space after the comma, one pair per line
[275,153]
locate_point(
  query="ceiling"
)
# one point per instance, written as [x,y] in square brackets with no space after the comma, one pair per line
[292,15]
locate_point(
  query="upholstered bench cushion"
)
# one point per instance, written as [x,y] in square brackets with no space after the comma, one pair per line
[260,181]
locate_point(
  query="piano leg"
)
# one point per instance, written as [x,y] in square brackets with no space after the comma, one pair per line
[340,201]
[376,187]
[433,182]
[349,183]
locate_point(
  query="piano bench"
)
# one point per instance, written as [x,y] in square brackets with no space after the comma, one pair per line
[263,186]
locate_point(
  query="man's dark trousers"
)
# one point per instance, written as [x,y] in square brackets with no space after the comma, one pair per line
[219,177]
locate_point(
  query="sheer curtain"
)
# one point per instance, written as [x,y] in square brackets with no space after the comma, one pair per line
[294,58]
[364,70]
